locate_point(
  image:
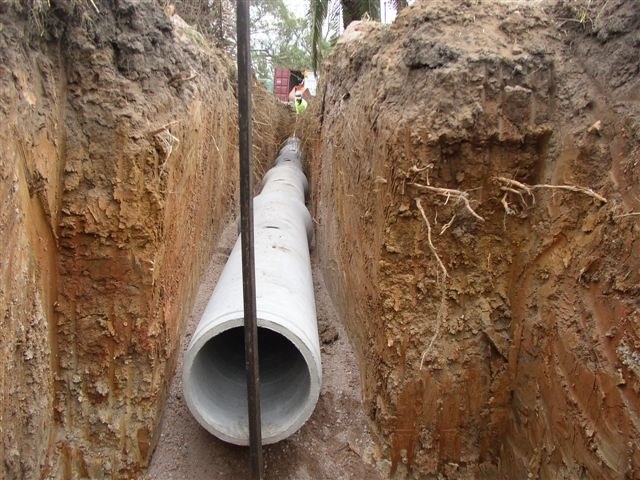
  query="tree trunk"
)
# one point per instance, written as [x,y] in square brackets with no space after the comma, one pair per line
[355,9]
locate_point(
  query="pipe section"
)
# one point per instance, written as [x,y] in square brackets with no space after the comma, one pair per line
[214,376]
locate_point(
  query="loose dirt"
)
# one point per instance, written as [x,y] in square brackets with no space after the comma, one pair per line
[333,444]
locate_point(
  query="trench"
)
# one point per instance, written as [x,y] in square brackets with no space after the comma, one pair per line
[497,345]
[334,443]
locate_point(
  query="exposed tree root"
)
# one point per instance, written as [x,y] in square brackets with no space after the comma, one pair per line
[447,225]
[449,193]
[442,308]
[440,315]
[508,210]
[182,78]
[165,142]
[415,170]
[509,185]
[431,246]
[164,127]
[630,214]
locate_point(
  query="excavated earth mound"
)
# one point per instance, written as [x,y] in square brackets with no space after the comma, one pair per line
[117,171]
[495,315]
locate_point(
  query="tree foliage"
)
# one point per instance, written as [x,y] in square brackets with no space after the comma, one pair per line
[325,19]
[357,9]
[320,11]
[278,38]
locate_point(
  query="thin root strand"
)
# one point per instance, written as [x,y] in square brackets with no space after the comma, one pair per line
[431,246]
[448,193]
[509,184]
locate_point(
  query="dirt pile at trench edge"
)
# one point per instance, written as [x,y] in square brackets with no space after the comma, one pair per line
[117,171]
[523,361]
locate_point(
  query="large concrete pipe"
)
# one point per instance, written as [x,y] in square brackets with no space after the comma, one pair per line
[214,377]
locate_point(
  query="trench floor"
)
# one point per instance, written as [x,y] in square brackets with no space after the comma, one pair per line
[334,444]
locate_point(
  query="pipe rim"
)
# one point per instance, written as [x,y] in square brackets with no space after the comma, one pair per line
[200,339]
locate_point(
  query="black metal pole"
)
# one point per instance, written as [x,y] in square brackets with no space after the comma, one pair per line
[246,229]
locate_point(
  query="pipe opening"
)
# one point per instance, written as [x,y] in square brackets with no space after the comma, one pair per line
[219,383]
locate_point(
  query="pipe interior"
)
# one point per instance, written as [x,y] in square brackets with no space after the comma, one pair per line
[220,388]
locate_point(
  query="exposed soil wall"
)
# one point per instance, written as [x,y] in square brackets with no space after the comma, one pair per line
[117,171]
[522,360]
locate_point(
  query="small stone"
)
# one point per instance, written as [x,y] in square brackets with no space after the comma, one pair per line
[328,334]
[596,128]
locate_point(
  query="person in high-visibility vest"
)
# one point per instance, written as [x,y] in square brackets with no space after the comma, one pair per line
[300,103]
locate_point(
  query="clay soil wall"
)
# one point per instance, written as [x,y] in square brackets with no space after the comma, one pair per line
[118,139]
[517,355]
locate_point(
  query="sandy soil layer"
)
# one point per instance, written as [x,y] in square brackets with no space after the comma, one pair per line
[333,444]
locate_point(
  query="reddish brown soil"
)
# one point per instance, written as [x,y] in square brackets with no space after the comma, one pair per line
[117,172]
[523,361]
[333,444]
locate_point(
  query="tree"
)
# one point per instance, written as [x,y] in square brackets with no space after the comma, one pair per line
[356,9]
[351,10]
[321,12]
[278,38]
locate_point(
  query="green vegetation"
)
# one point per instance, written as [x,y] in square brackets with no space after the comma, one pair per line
[278,38]
[325,25]
[322,11]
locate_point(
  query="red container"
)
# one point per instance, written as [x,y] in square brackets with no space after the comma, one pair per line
[282,84]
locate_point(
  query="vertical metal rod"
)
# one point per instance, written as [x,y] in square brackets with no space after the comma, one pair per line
[246,229]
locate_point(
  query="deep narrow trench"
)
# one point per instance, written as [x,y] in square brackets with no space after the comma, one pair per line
[334,443]
[476,200]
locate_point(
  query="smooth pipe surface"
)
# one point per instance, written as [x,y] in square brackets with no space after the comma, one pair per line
[214,375]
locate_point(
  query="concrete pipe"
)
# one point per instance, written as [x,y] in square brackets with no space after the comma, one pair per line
[214,377]
[290,152]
